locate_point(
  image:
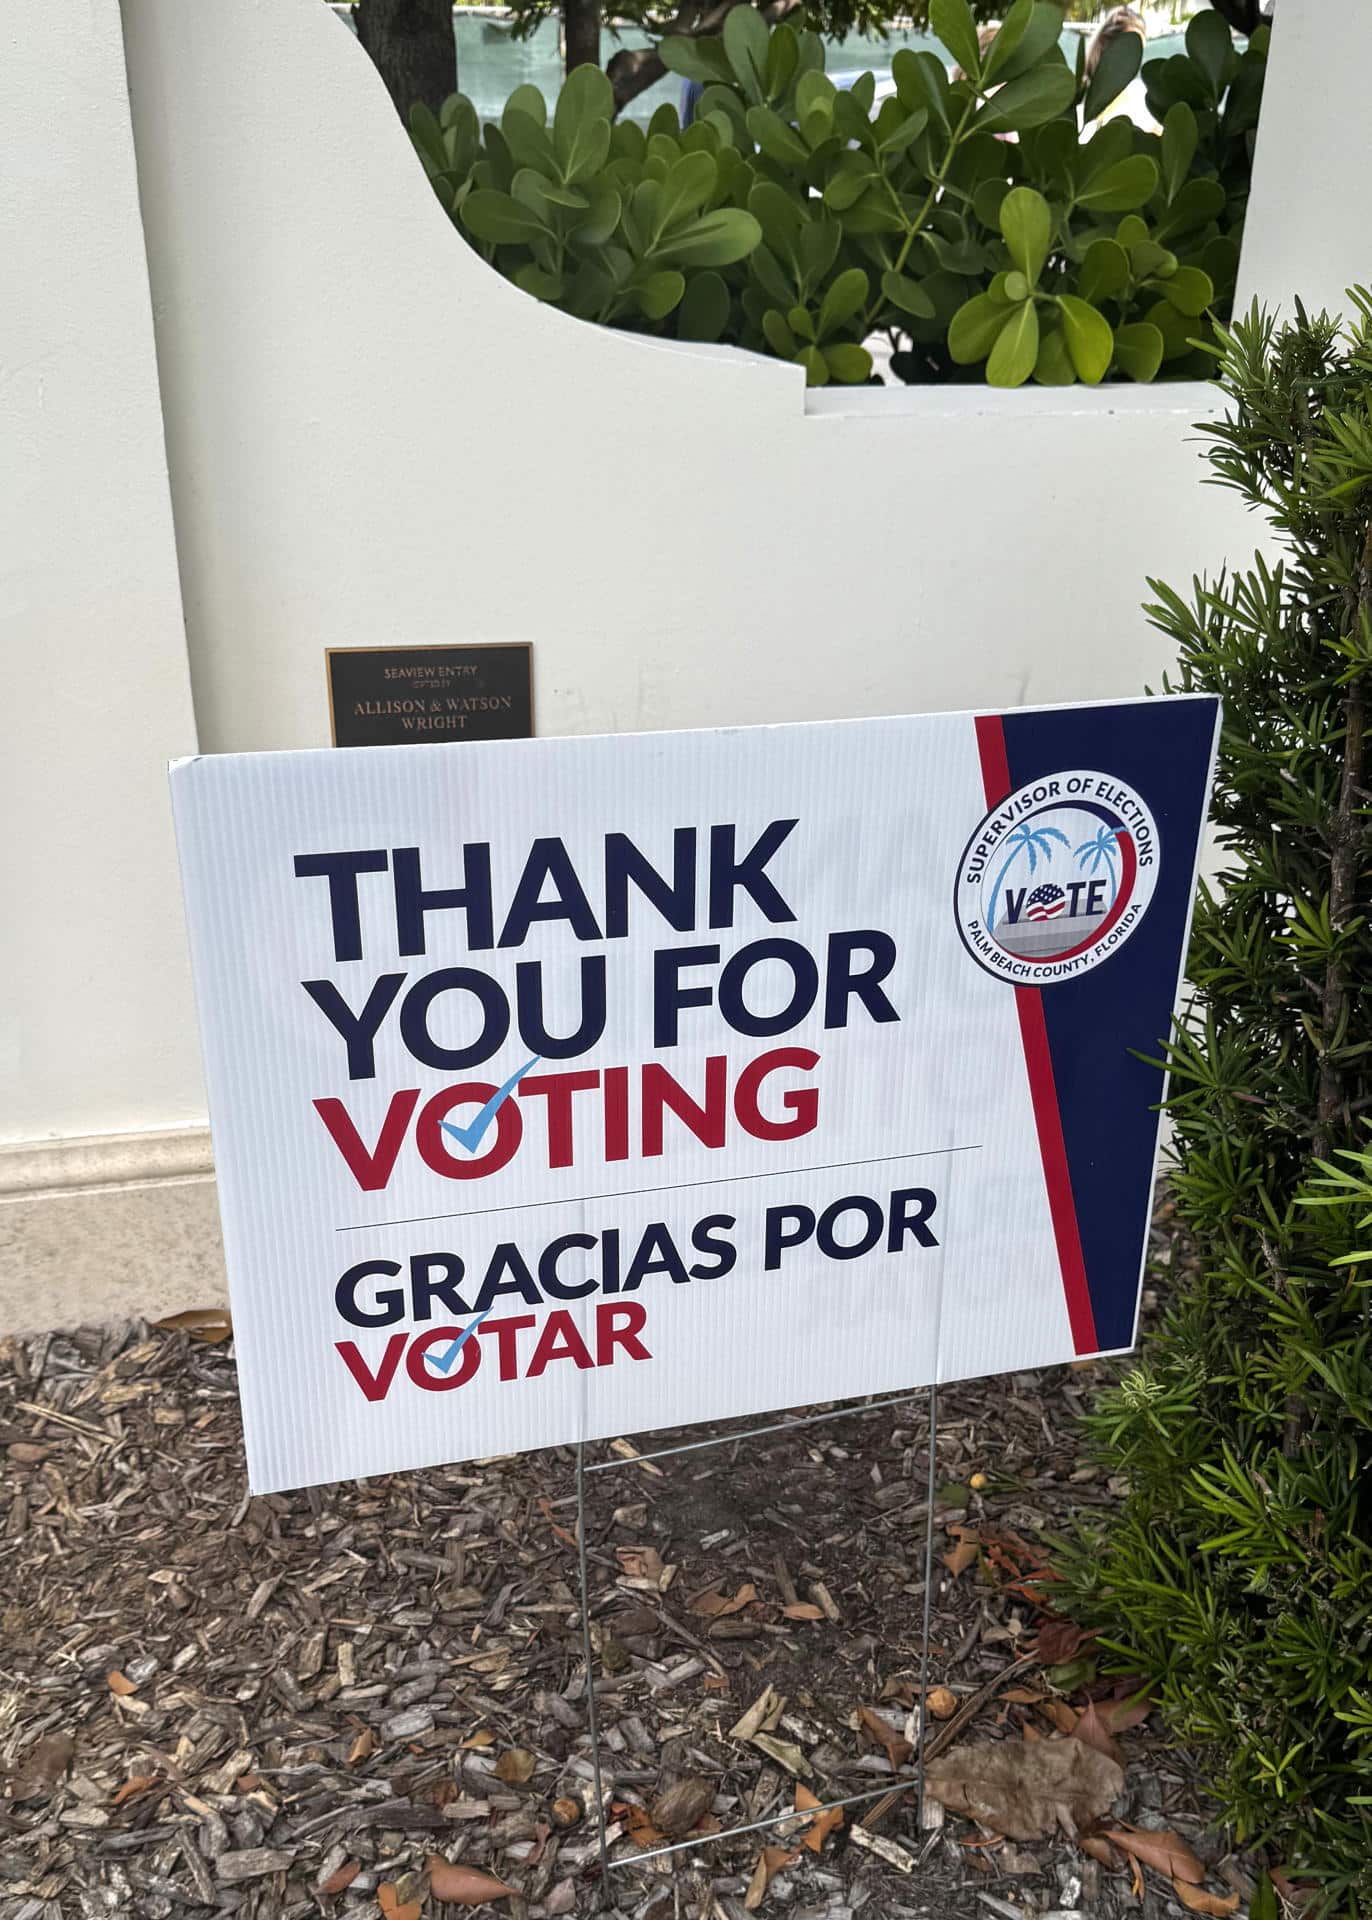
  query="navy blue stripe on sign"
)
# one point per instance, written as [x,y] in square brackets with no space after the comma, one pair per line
[1098,1022]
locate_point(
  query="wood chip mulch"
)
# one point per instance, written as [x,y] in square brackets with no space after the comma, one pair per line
[370,1698]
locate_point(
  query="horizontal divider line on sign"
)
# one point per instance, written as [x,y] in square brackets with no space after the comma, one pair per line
[672,1186]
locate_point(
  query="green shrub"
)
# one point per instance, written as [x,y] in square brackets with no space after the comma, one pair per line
[797,219]
[1238,1576]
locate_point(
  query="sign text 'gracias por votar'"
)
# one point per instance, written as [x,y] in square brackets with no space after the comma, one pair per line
[572,1087]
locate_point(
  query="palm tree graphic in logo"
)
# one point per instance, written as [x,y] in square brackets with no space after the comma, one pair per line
[1025,843]
[1102,850]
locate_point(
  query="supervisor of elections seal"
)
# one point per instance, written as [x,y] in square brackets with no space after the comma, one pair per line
[1057,877]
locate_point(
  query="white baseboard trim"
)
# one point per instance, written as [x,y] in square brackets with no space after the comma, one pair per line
[110,1227]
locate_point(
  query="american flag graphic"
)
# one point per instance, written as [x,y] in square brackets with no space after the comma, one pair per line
[1045,901]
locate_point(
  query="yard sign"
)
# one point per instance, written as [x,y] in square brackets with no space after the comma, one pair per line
[568,1088]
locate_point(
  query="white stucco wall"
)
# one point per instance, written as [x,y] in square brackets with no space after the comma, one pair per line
[96,1031]
[373,438]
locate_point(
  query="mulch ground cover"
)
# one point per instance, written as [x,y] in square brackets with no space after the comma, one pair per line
[371,1698]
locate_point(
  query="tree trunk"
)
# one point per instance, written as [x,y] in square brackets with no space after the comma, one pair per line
[414,48]
[580,33]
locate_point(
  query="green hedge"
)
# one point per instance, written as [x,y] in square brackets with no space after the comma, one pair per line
[990,221]
[1238,1577]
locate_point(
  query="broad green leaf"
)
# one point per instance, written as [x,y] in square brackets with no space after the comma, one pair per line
[777,139]
[907,294]
[895,131]
[427,136]
[921,81]
[1012,30]
[817,246]
[850,365]
[975,328]
[1026,223]
[527,141]
[951,22]
[704,311]
[529,100]
[1176,330]
[815,92]
[581,123]
[659,292]
[1017,288]
[689,183]
[1054,368]
[1179,137]
[1038,41]
[1197,203]
[1118,67]
[542,285]
[704,59]
[534,191]
[1015,354]
[1211,45]
[1138,350]
[1188,290]
[745,42]
[988,200]
[499,217]
[1129,183]
[845,296]
[847,187]
[602,216]
[1090,341]
[872,214]
[780,217]
[1036,96]
[1104,270]
[816,369]
[768,273]
[783,60]
[778,335]
[715,239]
[799,320]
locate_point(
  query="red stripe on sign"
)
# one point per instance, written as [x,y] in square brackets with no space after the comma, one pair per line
[1043,1092]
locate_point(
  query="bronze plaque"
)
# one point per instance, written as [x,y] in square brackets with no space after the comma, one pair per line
[398,696]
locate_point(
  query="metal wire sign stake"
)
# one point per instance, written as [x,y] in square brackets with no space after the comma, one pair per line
[639,1858]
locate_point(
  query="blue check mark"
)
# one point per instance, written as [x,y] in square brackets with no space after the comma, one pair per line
[473,1133]
[444,1362]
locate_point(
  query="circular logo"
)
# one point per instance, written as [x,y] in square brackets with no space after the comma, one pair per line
[1056,878]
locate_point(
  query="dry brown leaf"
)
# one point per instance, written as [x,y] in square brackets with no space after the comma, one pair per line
[897,1749]
[341,1878]
[639,1825]
[803,1610]
[785,1752]
[678,1808]
[764,1712]
[1197,1900]
[1120,1715]
[120,1683]
[942,1702]
[393,1907]
[1092,1728]
[209,1325]
[714,1606]
[769,1863]
[463,1886]
[1017,1789]
[964,1554]
[1023,1696]
[136,1783]
[515,1766]
[1098,1849]
[824,1822]
[1058,1641]
[1165,1851]
[1063,1717]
